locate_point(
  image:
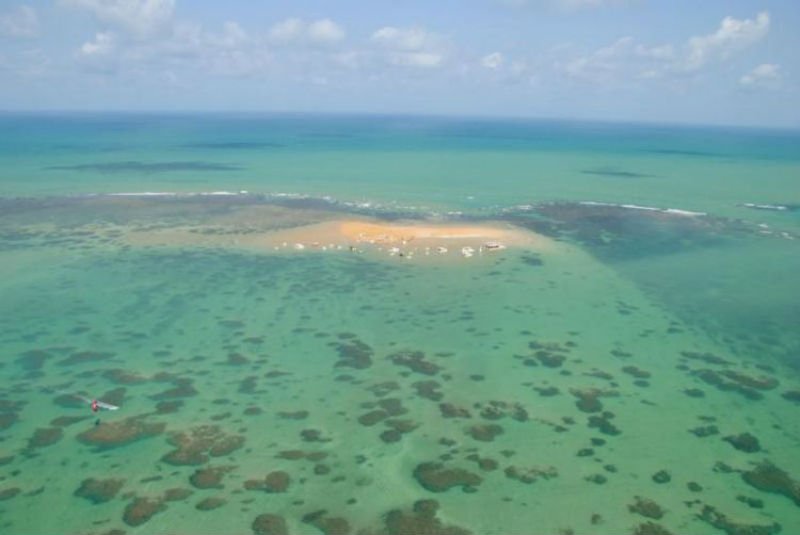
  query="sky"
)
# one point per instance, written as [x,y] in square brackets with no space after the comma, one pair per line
[732,62]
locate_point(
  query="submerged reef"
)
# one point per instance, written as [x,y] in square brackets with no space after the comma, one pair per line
[744,442]
[141,509]
[269,524]
[195,445]
[435,477]
[767,477]
[121,433]
[99,490]
[646,507]
[421,520]
[415,361]
[715,518]
[353,353]
[274,482]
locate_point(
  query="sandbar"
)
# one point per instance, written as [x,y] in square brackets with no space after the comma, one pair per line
[405,239]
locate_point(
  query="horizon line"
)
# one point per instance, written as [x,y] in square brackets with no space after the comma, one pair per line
[419,115]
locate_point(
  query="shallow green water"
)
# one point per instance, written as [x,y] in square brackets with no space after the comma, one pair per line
[634,346]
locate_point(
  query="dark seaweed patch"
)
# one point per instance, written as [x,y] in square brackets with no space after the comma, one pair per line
[210,503]
[328,525]
[646,507]
[146,168]
[194,446]
[715,518]
[353,353]
[269,524]
[530,474]
[435,477]
[744,442]
[420,520]
[99,490]
[140,510]
[121,433]
[767,477]
[274,482]
[45,437]
[235,145]
[614,172]
[415,361]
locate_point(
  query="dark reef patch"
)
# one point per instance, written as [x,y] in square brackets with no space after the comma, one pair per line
[485,432]
[121,433]
[99,490]
[428,390]
[293,415]
[195,445]
[177,494]
[274,482]
[421,520]
[650,528]
[661,477]
[183,389]
[269,524]
[415,361]
[328,525]
[45,436]
[9,493]
[82,357]
[769,478]
[435,477]
[353,353]
[530,474]
[140,510]
[646,507]
[66,421]
[603,424]
[715,518]
[209,477]
[210,503]
[717,380]
[449,410]
[744,442]
[372,417]
[497,410]
[636,372]
[704,431]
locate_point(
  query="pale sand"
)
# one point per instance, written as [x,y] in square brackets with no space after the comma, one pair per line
[407,239]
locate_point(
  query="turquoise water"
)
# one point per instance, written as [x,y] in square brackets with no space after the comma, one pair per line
[610,381]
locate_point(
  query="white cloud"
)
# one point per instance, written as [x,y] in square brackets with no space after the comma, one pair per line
[103,44]
[732,35]
[186,48]
[298,31]
[19,22]
[411,47]
[492,61]
[766,75]
[141,17]
[562,5]
[626,59]
[403,38]
[325,31]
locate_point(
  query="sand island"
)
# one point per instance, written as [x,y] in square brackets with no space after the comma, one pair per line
[403,239]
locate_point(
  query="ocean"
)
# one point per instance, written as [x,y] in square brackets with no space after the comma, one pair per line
[631,366]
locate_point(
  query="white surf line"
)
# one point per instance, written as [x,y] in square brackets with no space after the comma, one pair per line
[673,211]
[776,207]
